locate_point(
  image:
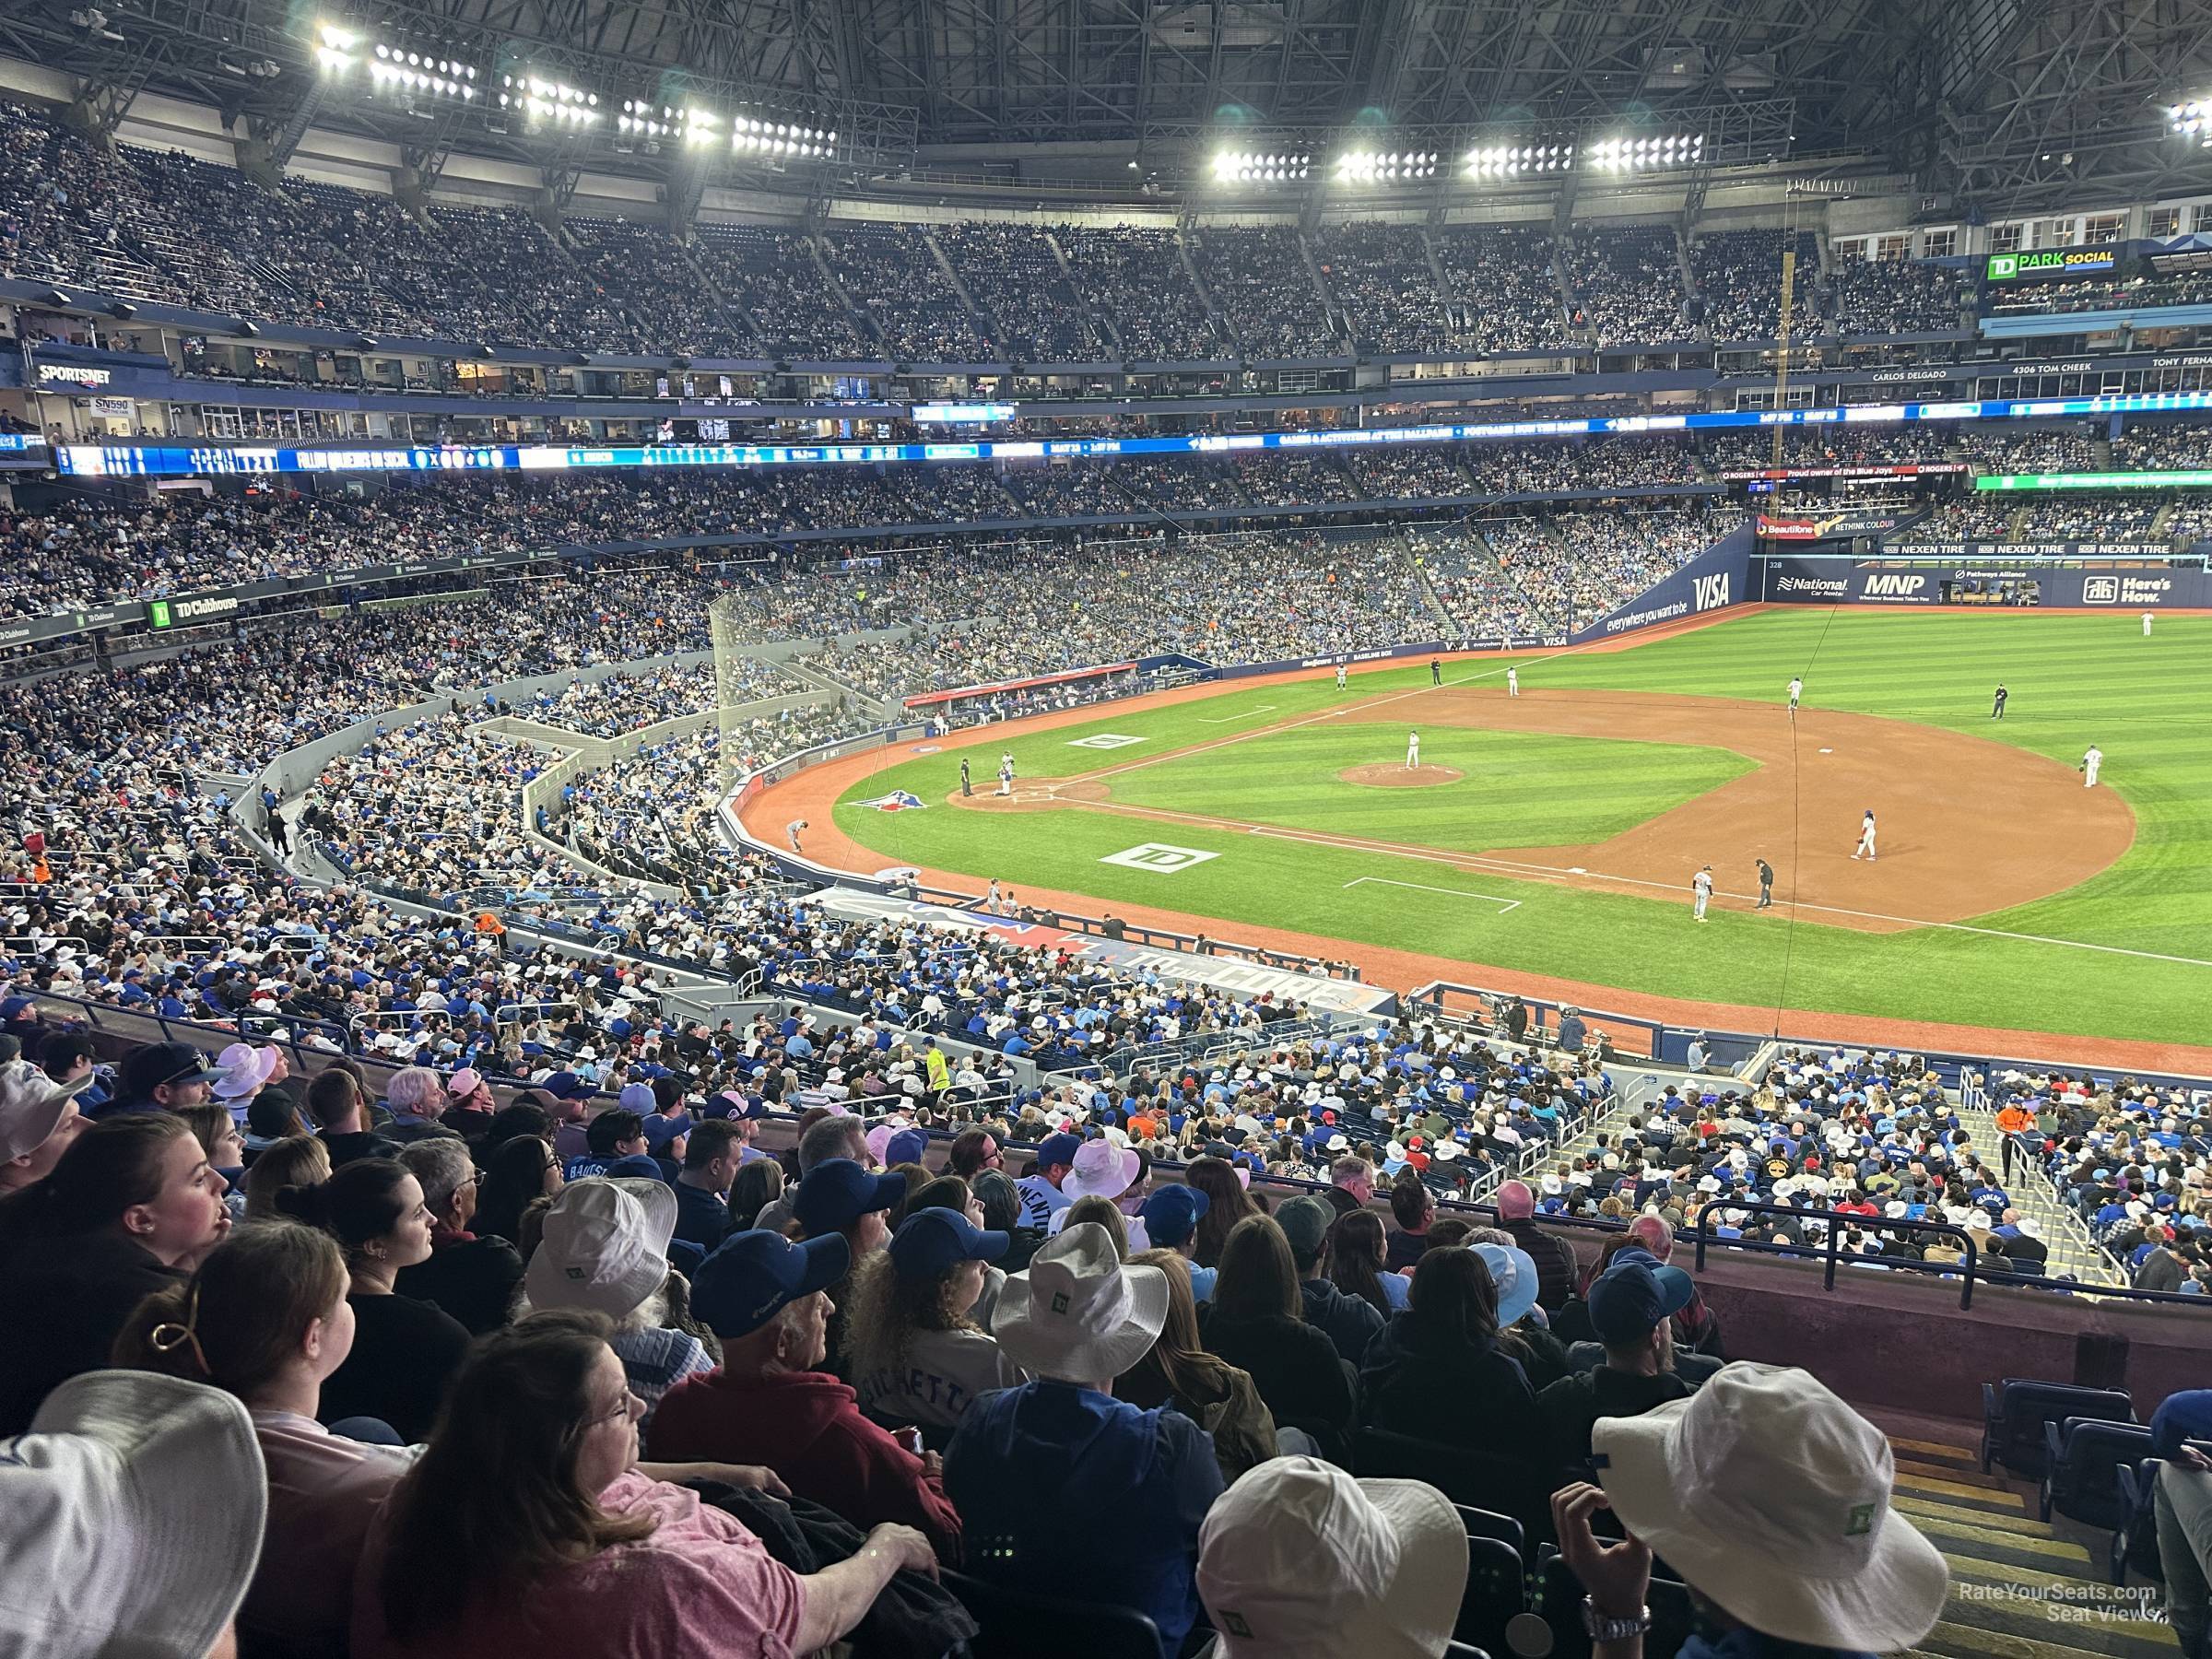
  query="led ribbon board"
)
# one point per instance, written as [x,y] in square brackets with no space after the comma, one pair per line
[111,460]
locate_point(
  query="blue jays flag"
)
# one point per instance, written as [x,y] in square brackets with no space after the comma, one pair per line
[899,800]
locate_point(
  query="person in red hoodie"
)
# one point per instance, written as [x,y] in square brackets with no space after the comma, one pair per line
[766,1298]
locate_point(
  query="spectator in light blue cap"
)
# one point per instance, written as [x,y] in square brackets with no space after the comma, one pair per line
[917,1354]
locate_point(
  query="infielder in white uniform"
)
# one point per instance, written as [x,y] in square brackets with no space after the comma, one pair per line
[1796,690]
[1867,836]
[1513,682]
[1340,671]
[2147,616]
[1701,888]
[2089,763]
[1412,751]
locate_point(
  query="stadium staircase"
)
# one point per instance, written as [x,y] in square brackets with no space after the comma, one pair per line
[865,319]
[1190,269]
[1452,630]
[1683,268]
[984,321]
[2065,1234]
[1081,300]
[2020,1588]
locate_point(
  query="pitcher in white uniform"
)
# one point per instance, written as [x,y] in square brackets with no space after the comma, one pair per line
[1412,751]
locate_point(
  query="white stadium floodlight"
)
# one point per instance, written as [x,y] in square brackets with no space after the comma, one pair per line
[1387,167]
[1248,167]
[334,48]
[2191,120]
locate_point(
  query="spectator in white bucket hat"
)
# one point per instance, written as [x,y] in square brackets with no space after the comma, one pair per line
[1771,1497]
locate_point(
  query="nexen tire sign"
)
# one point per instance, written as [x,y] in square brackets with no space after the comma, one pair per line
[1894,587]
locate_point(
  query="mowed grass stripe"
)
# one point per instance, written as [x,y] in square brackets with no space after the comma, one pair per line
[1291,778]
[2074,680]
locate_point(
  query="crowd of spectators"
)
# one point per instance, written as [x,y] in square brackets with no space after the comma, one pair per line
[1828,446]
[2100,293]
[1626,285]
[1502,289]
[1580,566]
[2128,1157]
[772,288]
[1381,285]
[1414,472]
[1739,278]
[1894,296]
[1011,272]
[1969,518]
[2083,515]
[1265,291]
[890,271]
[1466,577]
[616,703]
[2164,447]
[2061,449]
[1135,279]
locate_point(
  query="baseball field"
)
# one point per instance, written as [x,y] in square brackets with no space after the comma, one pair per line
[1558,833]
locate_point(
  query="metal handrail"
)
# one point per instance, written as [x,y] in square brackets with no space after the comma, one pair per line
[1832,1247]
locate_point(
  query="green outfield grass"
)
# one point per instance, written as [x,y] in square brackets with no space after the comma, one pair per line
[2074,681]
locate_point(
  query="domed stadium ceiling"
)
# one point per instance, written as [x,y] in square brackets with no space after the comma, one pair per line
[1995,104]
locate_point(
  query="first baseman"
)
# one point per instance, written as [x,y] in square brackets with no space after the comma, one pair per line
[1866,835]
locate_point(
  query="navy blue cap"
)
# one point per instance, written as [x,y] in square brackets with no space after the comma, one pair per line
[932,1242]
[639,1164]
[2186,1415]
[1630,1298]
[1059,1148]
[567,1086]
[833,1196]
[752,1277]
[906,1146]
[1172,1214]
[659,1131]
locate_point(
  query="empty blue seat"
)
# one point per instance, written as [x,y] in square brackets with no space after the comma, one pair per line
[2136,1543]
[2014,1413]
[2082,1456]
[1014,1621]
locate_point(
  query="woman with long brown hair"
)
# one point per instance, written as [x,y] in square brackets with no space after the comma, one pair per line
[1353,1261]
[1226,1204]
[918,1354]
[528,1525]
[1206,1388]
[1256,1321]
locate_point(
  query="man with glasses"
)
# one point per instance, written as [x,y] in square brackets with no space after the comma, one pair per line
[472,1278]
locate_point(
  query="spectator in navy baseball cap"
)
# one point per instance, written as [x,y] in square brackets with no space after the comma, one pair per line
[906,1146]
[769,1299]
[1041,1194]
[839,1196]
[1170,1217]
[1633,1305]
[162,1077]
[918,1355]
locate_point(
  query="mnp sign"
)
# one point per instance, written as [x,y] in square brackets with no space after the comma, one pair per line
[1714,580]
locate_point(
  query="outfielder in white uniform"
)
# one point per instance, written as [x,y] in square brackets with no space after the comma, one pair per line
[1867,836]
[1796,690]
[1513,682]
[2147,616]
[1340,671]
[1412,751]
[2089,763]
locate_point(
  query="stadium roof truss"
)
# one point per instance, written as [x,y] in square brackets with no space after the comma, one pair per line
[2003,105]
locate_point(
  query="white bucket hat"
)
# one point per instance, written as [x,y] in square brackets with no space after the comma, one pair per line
[1770,1496]
[31,1104]
[1077,1311]
[242,1068]
[1299,1558]
[1100,1170]
[605,1248]
[131,1519]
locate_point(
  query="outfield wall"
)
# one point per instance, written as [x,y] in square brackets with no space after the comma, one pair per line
[1716,580]
[1787,579]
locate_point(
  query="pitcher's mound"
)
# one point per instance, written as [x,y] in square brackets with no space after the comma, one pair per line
[1386,776]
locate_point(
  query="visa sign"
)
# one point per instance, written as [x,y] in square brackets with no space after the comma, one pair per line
[1711,592]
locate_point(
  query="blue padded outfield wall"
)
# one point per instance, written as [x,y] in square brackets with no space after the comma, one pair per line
[2023,585]
[1716,578]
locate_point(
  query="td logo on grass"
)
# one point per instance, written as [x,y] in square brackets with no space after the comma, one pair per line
[1159,857]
